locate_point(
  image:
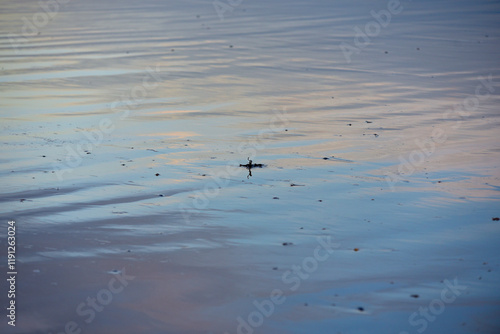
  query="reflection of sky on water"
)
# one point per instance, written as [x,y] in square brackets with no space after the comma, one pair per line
[220,86]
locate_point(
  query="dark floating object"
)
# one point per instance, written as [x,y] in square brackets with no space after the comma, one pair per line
[368,121]
[361,309]
[414,296]
[287,244]
[297,185]
[250,165]
[495,219]
[157,174]
[326,158]
[276,197]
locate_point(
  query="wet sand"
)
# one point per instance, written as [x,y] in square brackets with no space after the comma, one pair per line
[124,125]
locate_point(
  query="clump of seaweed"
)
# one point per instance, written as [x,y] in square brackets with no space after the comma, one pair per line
[251,165]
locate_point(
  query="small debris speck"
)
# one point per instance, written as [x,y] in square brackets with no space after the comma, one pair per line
[287,244]
[495,219]
[361,309]
[414,296]
[157,174]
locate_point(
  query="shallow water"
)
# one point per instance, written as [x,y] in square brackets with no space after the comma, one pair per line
[393,152]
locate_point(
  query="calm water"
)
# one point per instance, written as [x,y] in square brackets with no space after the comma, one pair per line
[123,125]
